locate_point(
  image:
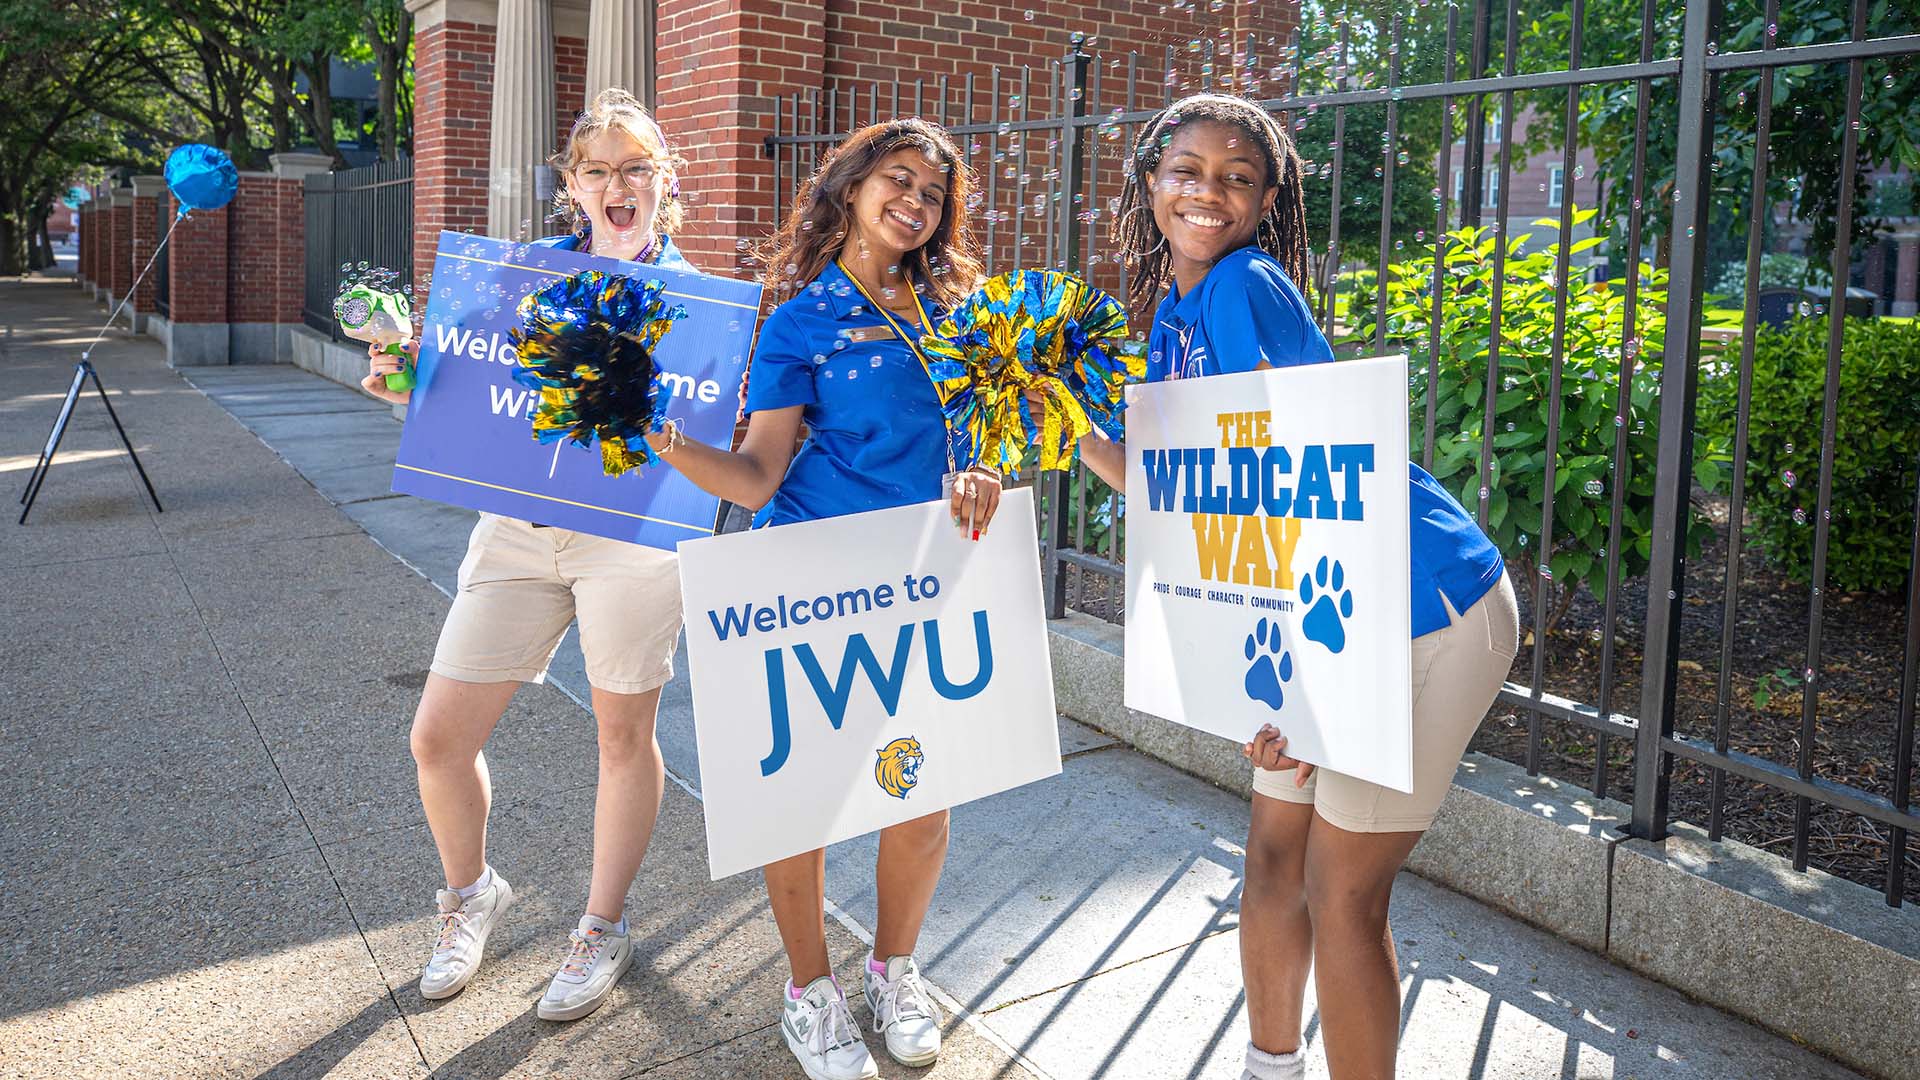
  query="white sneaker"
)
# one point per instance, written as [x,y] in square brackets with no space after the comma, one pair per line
[821,1033]
[904,1012]
[596,961]
[464,926]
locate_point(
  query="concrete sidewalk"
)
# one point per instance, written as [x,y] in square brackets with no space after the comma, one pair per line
[213,861]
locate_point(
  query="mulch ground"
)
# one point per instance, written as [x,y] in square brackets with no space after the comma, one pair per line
[1856,704]
[1856,696]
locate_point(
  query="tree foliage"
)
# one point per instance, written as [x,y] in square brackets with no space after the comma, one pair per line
[111,86]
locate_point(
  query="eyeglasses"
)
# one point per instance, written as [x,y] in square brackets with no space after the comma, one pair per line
[635,173]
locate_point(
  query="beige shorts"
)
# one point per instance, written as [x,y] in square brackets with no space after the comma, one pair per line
[520,586]
[1457,672]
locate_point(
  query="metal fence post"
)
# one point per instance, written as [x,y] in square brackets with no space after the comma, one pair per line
[1067,257]
[1673,475]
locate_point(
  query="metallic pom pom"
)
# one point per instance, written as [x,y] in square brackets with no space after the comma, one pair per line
[1033,332]
[585,344]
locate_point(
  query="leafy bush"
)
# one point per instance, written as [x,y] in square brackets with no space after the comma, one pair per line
[1877,439]
[1777,270]
[1583,481]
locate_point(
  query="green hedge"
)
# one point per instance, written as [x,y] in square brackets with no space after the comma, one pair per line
[1589,391]
[1877,440]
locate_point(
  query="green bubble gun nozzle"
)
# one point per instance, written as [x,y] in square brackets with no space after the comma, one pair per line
[382,318]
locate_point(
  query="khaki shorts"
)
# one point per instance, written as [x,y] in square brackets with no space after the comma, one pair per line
[1457,672]
[520,586]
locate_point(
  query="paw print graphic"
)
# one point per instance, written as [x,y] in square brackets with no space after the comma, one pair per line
[1326,618]
[1266,674]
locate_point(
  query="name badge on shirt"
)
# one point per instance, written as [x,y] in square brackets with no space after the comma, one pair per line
[864,334]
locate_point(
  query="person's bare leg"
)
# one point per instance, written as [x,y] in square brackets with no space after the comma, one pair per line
[1276,932]
[1349,880]
[452,723]
[627,803]
[912,855]
[796,887]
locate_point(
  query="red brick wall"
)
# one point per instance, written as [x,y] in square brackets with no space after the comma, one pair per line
[453,65]
[569,83]
[721,64]
[266,253]
[198,262]
[881,40]
[120,270]
[85,263]
[145,236]
[724,64]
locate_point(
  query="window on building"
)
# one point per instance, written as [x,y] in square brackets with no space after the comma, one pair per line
[1493,188]
[1491,130]
[1556,186]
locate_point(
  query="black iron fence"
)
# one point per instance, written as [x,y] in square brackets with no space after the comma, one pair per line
[355,218]
[1603,532]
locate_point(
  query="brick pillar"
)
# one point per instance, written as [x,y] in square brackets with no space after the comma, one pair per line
[721,66]
[254,229]
[83,227]
[1906,278]
[147,193]
[197,295]
[120,268]
[452,63]
[290,257]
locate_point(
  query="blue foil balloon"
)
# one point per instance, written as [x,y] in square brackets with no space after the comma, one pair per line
[202,177]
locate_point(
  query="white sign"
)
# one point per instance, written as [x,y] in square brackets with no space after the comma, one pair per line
[861,671]
[1267,568]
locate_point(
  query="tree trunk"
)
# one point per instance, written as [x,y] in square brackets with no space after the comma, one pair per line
[46,242]
[387,55]
[39,256]
[320,106]
[282,113]
[12,250]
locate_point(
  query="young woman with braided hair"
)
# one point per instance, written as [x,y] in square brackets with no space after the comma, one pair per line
[1214,212]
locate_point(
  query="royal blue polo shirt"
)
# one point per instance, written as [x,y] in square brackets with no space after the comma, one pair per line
[1247,311]
[876,437]
[668,256]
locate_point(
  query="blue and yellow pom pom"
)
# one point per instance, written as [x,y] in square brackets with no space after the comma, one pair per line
[1039,332]
[585,345]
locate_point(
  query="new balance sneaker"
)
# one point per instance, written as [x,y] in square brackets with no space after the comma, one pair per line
[464,926]
[595,961]
[820,1031]
[904,1012]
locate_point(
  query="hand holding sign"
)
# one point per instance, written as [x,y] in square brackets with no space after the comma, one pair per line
[1267,584]
[467,438]
[586,344]
[857,672]
[1033,356]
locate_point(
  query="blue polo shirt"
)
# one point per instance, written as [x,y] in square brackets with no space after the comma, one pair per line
[668,256]
[876,437]
[1246,311]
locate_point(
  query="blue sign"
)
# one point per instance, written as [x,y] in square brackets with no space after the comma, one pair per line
[469,435]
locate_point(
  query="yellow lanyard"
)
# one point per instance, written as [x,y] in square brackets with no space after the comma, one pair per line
[912,340]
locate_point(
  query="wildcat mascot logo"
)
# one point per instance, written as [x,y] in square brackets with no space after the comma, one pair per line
[898,767]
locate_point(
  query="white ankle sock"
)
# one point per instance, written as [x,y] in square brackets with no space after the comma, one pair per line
[479,886]
[1264,1066]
